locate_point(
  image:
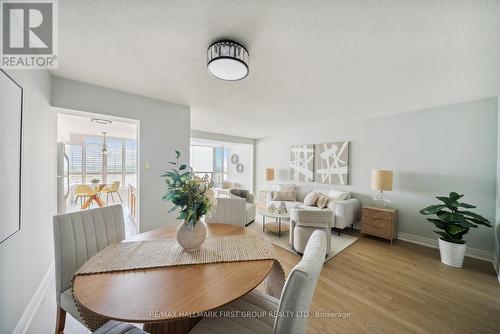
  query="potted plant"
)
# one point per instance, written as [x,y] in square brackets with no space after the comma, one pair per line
[453,223]
[95,182]
[194,197]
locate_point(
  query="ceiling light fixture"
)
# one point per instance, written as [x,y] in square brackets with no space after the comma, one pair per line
[101,121]
[227,60]
[104,149]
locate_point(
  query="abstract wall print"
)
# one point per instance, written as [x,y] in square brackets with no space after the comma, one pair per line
[332,163]
[302,163]
[11,108]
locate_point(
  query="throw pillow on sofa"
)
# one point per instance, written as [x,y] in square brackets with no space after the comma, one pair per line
[284,195]
[242,193]
[285,187]
[334,197]
[311,198]
[322,201]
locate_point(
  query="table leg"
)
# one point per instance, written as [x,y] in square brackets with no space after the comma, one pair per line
[99,201]
[279,227]
[87,203]
[263,223]
[181,326]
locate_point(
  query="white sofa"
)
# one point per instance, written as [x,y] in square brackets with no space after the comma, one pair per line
[347,212]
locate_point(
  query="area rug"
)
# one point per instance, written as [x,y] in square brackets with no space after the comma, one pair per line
[339,242]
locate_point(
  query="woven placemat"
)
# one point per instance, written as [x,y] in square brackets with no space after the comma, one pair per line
[167,252]
[135,255]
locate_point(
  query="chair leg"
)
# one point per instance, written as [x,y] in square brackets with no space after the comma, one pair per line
[119,197]
[113,198]
[107,198]
[60,320]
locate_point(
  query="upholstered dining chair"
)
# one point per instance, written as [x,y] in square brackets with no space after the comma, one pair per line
[77,237]
[113,188]
[229,211]
[82,192]
[294,302]
[116,327]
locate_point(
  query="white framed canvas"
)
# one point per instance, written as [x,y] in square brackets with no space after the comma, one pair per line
[332,163]
[302,163]
[11,113]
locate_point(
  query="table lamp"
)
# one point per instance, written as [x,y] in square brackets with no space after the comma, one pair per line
[269,175]
[381,180]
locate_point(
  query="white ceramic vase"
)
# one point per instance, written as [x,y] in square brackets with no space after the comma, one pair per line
[452,254]
[191,237]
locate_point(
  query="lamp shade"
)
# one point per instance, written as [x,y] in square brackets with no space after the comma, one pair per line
[269,174]
[382,179]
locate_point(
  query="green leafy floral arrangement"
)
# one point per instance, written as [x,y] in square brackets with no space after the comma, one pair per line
[192,194]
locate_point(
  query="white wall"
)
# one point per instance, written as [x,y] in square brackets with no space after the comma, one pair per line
[433,152]
[245,156]
[164,128]
[27,255]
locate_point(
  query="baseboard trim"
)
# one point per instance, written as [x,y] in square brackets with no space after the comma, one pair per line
[433,243]
[34,304]
[496,266]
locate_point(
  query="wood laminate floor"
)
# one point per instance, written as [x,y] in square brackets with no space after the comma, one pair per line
[373,287]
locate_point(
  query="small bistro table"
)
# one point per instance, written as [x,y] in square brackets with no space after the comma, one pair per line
[167,299]
[271,214]
[94,197]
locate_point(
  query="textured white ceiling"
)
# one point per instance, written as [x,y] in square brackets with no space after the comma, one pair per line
[312,63]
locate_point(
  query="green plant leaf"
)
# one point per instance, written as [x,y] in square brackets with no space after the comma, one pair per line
[455,230]
[479,222]
[172,209]
[455,196]
[444,215]
[182,167]
[467,224]
[438,222]
[168,196]
[473,215]
[445,200]
[432,209]
[178,154]
[465,205]
[172,162]
[444,235]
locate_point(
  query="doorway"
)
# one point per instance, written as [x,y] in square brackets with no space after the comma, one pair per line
[98,164]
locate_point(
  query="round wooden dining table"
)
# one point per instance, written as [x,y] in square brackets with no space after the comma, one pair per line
[167,299]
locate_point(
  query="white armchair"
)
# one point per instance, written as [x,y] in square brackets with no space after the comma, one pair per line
[295,300]
[77,237]
[304,222]
[228,211]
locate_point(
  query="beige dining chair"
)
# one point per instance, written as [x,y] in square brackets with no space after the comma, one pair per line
[116,327]
[113,188]
[228,211]
[290,310]
[77,237]
[82,192]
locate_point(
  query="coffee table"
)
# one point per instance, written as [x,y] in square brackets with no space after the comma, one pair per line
[275,215]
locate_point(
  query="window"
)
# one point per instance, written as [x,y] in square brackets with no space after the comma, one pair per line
[75,157]
[202,160]
[85,160]
[93,159]
[206,160]
[130,162]
[220,172]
